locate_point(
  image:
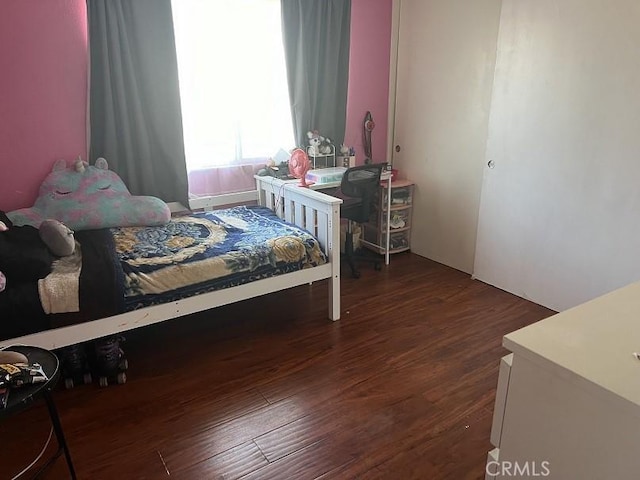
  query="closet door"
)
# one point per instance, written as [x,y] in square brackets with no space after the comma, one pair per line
[445,64]
[560,211]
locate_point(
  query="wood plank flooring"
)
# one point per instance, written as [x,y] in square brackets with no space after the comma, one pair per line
[401,387]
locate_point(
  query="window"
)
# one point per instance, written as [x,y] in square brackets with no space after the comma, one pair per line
[233,85]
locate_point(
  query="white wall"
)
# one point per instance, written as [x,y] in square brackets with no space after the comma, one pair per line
[446,59]
[560,212]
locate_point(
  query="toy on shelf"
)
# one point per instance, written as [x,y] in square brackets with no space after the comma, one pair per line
[321,147]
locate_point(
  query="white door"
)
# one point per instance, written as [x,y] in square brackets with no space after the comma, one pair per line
[560,211]
[446,59]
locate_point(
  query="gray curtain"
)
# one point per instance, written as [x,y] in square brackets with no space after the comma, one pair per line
[135,116]
[316,43]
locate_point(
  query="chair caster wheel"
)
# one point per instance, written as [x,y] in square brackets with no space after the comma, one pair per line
[103,382]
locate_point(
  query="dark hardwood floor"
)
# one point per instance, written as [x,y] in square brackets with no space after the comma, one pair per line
[401,387]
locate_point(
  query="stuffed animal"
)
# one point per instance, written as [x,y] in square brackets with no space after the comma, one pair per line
[57,237]
[325,148]
[318,145]
[315,140]
[86,197]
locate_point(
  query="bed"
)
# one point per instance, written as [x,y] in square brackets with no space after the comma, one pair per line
[146,304]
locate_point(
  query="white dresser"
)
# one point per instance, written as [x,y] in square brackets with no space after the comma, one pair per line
[568,398]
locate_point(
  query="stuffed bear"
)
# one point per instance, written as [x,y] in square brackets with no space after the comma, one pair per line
[315,140]
[318,145]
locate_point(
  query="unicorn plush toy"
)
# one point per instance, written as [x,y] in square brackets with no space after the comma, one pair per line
[85,197]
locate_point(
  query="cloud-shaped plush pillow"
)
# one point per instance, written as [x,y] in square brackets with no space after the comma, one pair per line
[86,197]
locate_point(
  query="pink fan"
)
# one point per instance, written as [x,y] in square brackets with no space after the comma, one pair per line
[299,165]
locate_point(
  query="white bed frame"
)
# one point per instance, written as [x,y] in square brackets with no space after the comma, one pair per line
[314,211]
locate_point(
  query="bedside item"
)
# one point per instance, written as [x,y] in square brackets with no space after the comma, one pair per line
[299,165]
[21,397]
[326,175]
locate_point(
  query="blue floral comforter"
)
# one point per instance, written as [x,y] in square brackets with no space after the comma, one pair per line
[208,251]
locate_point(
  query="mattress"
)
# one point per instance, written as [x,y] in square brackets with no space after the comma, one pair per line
[208,251]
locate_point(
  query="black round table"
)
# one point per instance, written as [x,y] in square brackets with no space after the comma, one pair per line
[23,396]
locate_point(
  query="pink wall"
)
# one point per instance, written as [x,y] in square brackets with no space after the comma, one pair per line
[43,89]
[369,74]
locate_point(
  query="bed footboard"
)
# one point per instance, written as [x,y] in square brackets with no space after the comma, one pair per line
[317,213]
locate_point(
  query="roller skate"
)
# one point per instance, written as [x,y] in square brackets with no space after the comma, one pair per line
[75,365]
[109,361]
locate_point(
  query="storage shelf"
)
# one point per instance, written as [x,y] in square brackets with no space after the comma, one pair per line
[378,249]
[375,230]
[397,207]
[328,159]
[397,184]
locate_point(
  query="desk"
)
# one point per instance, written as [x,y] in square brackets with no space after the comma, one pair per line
[385,177]
[23,396]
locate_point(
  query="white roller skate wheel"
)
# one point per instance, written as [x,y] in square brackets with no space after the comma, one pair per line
[103,382]
[87,378]
[121,378]
[124,364]
[68,383]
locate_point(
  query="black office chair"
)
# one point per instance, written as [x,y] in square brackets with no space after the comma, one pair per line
[357,191]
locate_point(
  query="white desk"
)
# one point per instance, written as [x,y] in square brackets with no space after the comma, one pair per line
[385,177]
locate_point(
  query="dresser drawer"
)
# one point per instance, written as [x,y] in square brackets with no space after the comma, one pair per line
[501,399]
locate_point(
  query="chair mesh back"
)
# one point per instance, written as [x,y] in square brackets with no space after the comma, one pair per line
[362,180]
